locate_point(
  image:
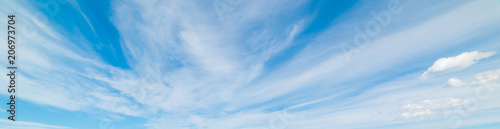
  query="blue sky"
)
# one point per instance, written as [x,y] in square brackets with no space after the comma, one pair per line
[234,64]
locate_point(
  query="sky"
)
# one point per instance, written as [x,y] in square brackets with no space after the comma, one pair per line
[260,64]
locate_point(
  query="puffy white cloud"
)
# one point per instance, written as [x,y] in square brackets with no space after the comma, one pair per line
[487,77]
[481,93]
[456,63]
[455,82]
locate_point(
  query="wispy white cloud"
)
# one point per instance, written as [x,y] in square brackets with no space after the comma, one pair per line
[77,7]
[190,69]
